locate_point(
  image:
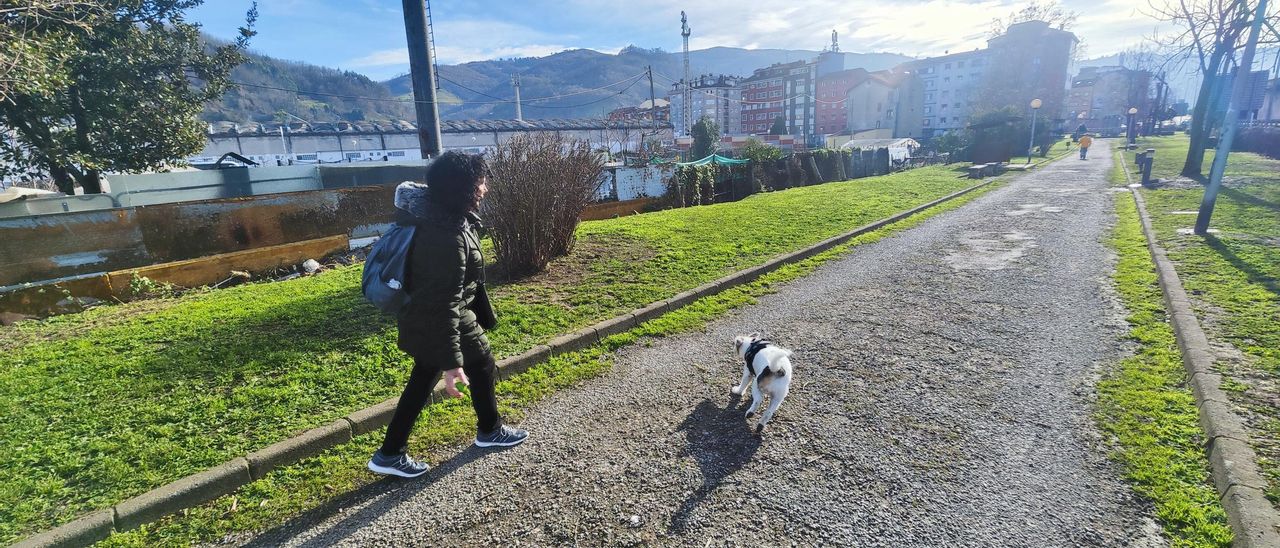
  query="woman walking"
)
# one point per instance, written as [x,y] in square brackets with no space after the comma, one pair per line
[442,326]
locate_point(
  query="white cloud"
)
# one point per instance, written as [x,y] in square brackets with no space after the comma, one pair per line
[462,41]
[912,27]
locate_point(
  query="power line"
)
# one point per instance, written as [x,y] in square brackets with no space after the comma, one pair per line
[620,92]
[756,102]
[469,89]
[629,79]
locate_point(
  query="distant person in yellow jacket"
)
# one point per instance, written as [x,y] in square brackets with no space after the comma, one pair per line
[1085,141]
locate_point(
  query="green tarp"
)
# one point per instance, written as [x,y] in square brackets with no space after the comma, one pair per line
[714,158]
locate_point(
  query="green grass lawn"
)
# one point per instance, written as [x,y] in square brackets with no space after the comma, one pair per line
[1145,405]
[1233,278]
[106,404]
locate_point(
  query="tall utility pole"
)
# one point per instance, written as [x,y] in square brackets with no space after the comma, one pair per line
[1239,103]
[515,82]
[653,104]
[423,75]
[687,96]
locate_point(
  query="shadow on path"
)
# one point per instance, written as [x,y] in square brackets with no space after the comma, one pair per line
[721,441]
[385,495]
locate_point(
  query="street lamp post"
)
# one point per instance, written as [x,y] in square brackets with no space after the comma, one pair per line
[1133,131]
[1035,106]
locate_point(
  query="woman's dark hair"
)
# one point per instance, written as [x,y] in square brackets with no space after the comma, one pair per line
[454,179]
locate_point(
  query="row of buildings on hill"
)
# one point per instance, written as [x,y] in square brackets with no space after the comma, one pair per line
[822,99]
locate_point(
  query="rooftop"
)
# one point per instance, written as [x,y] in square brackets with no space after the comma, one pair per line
[405,126]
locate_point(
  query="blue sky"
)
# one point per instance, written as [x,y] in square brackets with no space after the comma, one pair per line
[367,36]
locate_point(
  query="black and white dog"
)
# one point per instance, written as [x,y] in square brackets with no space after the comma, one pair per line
[770,366]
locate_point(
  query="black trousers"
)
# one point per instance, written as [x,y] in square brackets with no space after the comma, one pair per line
[477,363]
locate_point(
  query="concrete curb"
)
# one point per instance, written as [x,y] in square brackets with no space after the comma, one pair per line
[1236,477]
[226,478]
[87,530]
[294,449]
[184,493]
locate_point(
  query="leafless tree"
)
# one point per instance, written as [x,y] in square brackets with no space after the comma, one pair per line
[1048,11]
[1209,32]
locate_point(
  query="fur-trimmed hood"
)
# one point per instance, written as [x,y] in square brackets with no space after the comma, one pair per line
[413,200]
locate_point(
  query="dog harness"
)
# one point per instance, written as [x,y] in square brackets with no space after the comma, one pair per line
[750,356]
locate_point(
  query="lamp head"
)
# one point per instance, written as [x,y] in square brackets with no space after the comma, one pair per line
[1035,103]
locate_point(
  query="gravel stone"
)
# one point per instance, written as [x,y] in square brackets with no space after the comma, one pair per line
[943,379]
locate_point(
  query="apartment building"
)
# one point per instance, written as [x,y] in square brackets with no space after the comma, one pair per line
[781,90]
[717,96]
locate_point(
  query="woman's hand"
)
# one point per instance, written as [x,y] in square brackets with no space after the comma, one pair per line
[451,379]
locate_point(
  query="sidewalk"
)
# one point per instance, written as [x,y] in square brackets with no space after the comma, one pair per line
[941,397]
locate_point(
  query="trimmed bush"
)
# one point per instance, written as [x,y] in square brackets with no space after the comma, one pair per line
[539,184]
[882,161]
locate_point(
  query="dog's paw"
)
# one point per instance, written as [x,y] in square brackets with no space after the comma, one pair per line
[737,390]
[759,428]
[750,414]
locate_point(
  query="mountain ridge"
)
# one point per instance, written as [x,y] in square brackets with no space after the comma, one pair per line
[574,83]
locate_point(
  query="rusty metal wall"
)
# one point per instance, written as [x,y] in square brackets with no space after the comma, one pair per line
[59,245]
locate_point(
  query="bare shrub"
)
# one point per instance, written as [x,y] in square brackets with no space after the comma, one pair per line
[539,184]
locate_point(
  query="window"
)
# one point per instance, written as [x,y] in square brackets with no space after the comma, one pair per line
[776,93]
[396,153]
[947,66]
[944,105]
[305,157]
[943,119]
[928,110]
[946,79]
[959,64]
[351,155]
[928,122]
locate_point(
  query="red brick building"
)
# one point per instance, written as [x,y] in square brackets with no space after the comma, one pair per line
[832,107]
[762,98]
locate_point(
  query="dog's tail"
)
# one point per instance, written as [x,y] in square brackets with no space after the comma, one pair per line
[774,360]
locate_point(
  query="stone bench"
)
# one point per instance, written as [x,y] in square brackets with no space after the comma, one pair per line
[978,171]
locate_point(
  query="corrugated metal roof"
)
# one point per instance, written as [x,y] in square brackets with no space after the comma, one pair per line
[446,126]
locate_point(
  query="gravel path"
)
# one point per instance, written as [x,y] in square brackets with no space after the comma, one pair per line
[941,398]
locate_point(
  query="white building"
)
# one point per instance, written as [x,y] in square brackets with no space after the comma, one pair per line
[948,85]
[395,141]
[716,96]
